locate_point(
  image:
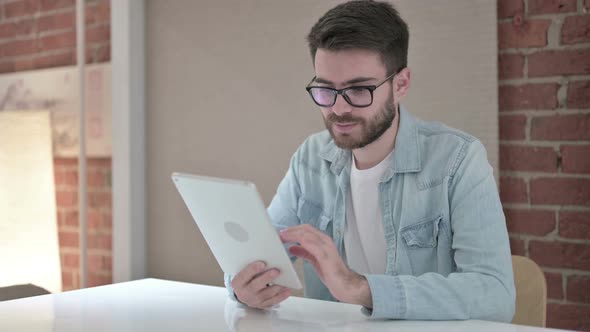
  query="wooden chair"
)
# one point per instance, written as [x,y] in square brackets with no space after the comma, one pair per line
[531,292]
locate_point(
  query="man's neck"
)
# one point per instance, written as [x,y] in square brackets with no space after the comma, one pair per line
[372,154]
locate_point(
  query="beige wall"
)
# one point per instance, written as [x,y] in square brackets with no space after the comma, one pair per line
[225,97]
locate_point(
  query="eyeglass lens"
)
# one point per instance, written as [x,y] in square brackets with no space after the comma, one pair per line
[354,96]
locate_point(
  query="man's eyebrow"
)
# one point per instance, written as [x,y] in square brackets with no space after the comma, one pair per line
[352,81]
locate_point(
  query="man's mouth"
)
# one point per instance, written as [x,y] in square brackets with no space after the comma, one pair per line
[344,127]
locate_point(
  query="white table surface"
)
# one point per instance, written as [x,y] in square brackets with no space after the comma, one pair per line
[160,305]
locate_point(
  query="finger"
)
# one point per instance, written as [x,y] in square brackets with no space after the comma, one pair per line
[241,279]
[315,245]
[303,253]
[264,295]
[269,292]
[301,234]
[260,282]
[280,297]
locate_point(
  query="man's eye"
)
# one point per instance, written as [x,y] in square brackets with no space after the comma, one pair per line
[358,91]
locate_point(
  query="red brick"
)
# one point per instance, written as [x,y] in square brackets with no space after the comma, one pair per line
[64,58]
[574,224]
[98,34]
[576,29]
[552,63]
[6,66]
[71,178]
[578,289]
[560,191]
[107,220]
[510,66]
[513,190]
[99,199]
[96,179]
[21,8]
[517,246]
[98,53]
[76,276]
[67,218]
[578,94]
[509,8]
[527,158]
[554,285]
[100,162]
[99,279]
[57,21]
[587,4]
[575,158]
[66,198]
[66,178]
[94,219]
[7,30]
[528,96]
[62,40]
[56,4]
[71,218]
[24,27]
[58,175]
[23,64]
[551,6]
[60,219]
[90,53]
[99,12]
[531,33]
[100,241]
[18,47]
[560,254]
[65,161]
[561,127]
[68,239]
[568,316]
[67,280]
[512,127]
[532,222]
[99,263]
[70,260]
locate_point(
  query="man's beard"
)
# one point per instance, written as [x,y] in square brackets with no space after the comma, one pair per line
[370,130]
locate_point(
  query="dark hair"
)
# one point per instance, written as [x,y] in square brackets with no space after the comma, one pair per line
[363,24]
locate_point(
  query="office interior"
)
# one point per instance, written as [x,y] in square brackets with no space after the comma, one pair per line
[216,88]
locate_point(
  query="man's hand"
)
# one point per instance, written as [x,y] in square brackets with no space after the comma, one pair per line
[320,251]
[251,286]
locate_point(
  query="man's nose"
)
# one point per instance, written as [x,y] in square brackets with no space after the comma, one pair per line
[341,106]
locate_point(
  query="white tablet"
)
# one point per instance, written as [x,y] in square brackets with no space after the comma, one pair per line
[234,222]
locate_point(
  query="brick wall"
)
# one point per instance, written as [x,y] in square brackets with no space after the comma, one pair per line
[544,97]
[37,34]
[544,90]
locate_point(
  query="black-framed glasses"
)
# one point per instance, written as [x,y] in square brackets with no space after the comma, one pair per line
[357,96]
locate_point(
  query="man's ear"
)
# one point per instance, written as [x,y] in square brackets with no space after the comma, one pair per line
[401,83]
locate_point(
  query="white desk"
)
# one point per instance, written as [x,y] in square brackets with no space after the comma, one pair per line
[159,305]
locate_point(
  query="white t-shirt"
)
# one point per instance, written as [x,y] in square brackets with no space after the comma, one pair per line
[364,240]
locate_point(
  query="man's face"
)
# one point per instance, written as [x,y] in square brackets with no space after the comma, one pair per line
[352,127]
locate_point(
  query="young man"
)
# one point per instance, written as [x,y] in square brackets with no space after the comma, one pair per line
[389,212]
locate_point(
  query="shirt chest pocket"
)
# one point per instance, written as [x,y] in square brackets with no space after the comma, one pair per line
[313,214]
[423,234]
[421,243]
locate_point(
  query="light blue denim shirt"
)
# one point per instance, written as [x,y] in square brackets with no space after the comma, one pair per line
[448,255]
